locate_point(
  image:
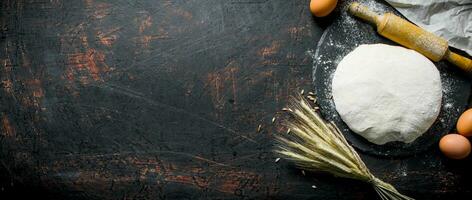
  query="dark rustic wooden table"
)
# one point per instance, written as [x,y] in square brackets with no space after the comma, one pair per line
[161,99]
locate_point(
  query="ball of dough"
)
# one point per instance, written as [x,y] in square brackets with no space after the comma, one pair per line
[387,93]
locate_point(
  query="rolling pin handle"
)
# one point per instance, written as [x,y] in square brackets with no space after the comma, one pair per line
[364,13]
[460,61]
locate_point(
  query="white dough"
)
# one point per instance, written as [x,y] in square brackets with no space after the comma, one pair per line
[387,93]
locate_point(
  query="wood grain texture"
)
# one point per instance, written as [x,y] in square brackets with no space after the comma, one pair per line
[162,99]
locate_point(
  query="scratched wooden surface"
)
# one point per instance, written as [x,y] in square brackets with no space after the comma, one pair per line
[161,99]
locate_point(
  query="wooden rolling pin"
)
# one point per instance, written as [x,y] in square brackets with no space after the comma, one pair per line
[411,36]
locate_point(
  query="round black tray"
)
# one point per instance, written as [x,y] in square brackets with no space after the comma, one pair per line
[343,36]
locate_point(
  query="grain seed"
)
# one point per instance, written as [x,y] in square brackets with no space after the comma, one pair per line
[277,160]
[313,186]
[313,99]
[303,172]
[273,119]
[288,131]
[259,128]
[302,92]
[287,109]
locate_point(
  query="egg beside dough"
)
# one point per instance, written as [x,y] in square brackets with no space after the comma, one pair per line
[455,146]
[464,124]
[321,8]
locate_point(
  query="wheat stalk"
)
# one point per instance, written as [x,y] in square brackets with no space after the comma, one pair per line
[314,144]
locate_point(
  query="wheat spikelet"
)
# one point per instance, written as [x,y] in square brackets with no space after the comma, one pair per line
[317,145]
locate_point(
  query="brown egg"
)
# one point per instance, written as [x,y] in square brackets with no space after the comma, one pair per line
[455,146]
[321,8]
[464,124]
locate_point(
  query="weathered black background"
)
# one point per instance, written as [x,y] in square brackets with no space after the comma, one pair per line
[161,99]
